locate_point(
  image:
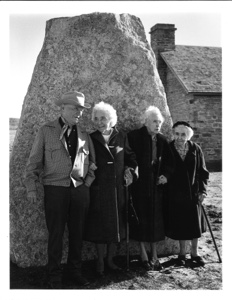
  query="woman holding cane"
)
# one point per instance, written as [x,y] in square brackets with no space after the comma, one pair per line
[187,190]
[116,164]
[155,164]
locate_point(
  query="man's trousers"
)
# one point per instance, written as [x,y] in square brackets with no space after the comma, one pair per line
[65,205]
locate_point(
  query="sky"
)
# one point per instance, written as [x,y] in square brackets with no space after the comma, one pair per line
[198,24]
[27,35]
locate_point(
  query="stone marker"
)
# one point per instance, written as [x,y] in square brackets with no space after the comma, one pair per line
[106,57]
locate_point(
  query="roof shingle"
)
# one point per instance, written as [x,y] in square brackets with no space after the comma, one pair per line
[199,69]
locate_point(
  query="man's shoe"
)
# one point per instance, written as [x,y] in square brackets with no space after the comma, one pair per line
[198,259]
[112,267]
[181,260]
[54,285]
[80,280]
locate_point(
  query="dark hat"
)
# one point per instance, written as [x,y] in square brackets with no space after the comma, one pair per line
[74,98]
[182,123]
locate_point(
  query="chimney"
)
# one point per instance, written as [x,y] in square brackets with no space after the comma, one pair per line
[162,39]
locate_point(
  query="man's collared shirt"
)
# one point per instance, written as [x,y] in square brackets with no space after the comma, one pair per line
[51,160]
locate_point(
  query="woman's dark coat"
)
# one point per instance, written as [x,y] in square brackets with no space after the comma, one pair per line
[188,180]
[147,196]
[107,212]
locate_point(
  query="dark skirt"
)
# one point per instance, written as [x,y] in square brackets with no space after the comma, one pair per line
[107,215]
[185,221]
[150,225]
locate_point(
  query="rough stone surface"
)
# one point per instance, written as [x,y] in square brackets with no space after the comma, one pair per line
[105,56]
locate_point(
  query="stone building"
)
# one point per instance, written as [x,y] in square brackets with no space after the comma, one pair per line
[191,76]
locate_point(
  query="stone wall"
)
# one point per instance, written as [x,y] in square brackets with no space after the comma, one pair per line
[105,56]
[178,99]
[205,115]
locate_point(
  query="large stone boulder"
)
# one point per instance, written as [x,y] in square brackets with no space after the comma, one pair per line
[105,56]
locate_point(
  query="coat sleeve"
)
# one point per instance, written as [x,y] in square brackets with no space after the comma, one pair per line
[133,140]
[89,178]
[167,160]
[34,166]
[130,157]
[202,172]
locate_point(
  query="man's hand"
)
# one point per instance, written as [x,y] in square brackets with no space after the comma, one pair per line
[31,196]
[162,180]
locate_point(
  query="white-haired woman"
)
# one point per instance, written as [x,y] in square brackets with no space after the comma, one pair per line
[187,189]
[115,161]
[155,165]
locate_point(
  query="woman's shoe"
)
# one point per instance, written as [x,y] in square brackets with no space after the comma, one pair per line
[146,265]
[181,260]
[198,259]
[156,265]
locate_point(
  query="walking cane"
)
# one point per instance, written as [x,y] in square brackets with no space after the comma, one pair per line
[127,228]
[215,245]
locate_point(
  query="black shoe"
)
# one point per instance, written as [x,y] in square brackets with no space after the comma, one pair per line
[146,265]
[181,260]
[156,265]
[80,280]
[54,285]
[77,279]
[100,274]
[113,268]
[198,259]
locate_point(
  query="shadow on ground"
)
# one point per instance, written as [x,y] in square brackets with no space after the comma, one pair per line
[36,277]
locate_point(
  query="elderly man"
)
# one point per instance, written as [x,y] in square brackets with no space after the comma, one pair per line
[65,154]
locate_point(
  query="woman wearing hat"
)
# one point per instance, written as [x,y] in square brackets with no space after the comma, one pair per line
[115,162]
[187,190]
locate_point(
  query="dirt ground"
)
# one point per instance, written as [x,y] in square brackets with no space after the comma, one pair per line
[172,277]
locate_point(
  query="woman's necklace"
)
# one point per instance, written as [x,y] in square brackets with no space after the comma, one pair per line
[182,150]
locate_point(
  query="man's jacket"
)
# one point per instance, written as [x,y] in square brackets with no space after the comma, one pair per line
[50,159]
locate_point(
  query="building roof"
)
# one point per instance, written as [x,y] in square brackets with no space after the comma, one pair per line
[199,69]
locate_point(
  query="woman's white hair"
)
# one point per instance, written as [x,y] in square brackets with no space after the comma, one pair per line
[107,108]
[152,110]
[190,132]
